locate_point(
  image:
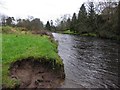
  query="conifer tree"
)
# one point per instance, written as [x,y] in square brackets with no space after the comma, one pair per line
[73,23]
[82,17]
[48,27]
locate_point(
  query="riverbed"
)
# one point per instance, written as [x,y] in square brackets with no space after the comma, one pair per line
[89,62]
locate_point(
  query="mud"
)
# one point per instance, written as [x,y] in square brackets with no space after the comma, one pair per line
[34,74]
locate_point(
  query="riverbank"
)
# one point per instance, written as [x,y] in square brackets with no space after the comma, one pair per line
[100,35]
[30,61]
[74,33]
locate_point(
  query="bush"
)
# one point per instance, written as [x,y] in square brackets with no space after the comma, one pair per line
[7,29]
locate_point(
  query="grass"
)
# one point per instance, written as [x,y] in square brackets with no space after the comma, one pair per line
[86,34]
[21,46]
[68,32]
[89,34]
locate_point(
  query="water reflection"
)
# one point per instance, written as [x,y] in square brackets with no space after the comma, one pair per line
[89,62]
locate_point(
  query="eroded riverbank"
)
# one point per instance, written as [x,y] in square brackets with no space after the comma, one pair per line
[33,73]
[30,61]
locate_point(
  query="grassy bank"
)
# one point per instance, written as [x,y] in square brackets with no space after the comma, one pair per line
[104,35]
[85,34]
[20,46]
[89,34]
[68,32]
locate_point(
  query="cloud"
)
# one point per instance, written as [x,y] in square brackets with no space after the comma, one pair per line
[43,9]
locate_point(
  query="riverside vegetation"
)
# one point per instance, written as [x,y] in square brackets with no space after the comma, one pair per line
[98,19]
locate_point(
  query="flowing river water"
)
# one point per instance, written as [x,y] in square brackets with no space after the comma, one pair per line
[89,62]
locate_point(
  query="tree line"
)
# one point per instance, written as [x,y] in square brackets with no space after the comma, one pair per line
[28,24]
[101,19]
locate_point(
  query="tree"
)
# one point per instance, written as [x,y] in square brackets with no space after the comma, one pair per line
[68,24]
[51,23]
[63,23]
[82,17]
[82,12]
[92,17]
[73,23]
[30,24]
[9,21]
[3,19]
[36,24]
[19,22]
[118,26]
[108,28]
[48,27]
[119,16]
[25,24]
[52,26]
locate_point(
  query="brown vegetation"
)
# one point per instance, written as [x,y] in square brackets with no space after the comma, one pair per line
[42,32]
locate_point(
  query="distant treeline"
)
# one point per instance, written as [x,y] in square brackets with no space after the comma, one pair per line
[27,24]
[101,19]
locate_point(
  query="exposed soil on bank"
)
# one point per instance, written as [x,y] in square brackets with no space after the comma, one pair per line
[35,74]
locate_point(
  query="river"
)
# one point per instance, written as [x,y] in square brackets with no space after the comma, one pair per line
[89,62]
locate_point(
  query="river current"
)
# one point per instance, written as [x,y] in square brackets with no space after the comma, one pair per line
[89,62]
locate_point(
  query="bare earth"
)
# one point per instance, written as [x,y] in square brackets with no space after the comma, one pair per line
[33,74]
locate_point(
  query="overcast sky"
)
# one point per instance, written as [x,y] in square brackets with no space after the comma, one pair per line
[43,9]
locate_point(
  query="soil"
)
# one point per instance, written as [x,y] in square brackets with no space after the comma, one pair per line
[34,74]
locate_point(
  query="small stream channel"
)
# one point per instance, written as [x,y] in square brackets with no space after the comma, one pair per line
[89,62]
